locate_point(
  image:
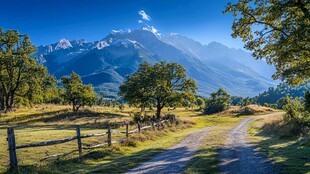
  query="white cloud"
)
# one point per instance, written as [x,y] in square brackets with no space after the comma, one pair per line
[144,15]
[140,21]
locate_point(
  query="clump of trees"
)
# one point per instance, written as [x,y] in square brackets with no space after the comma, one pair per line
[21,77]
[273,95]
[77,93]
[163,84]
[23,81]
[219,101]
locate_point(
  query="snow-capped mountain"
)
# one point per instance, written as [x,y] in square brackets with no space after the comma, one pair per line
[106,62]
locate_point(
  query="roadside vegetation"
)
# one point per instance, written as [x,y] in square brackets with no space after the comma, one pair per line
[282,143]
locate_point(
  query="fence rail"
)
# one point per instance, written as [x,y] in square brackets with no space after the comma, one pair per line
[12,146]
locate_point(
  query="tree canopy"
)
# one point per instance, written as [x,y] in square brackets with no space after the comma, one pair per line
[76,93]
[163,84]
[277,31]
[219,101]
[20,75]
[272,95]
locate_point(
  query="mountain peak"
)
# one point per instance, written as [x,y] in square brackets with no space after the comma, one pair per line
[63,44]
[151,29]
[217,45]
[121,31]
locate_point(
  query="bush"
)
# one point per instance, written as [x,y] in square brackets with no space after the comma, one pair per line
[293,111]
[247,111]
[219,102]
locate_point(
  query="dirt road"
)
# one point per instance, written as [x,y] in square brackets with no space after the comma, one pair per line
[239,156]
[175,159]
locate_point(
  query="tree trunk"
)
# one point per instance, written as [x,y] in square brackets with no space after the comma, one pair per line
[158,111]
[9,101]
[2,104]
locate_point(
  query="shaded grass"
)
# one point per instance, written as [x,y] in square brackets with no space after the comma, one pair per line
[285,151]
[117,159]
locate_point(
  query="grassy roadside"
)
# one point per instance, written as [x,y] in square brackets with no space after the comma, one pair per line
[206,160]
[286,152]
[55,122]
[119,158]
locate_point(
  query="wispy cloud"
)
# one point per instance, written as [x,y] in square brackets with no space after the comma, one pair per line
[144,15]
[140,21]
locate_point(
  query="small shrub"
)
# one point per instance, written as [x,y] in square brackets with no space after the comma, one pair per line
[293,111]
[247,111]
[130,142]
[121,106]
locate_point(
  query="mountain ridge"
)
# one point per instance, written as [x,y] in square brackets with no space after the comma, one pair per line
[106,62]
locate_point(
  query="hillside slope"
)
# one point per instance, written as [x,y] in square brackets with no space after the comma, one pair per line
[106,62]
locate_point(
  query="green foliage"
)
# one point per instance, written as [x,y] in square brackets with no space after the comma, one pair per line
[293,110]
[76,93]
[21,77]
[219,101]
[272,95]
[277,31]
[236,101]
[274,106]
[121,106]
[282,102]
[164,84]
[200,102]
[246,101]
[247,111]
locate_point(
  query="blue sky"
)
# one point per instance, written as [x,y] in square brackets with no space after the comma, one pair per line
[47,21]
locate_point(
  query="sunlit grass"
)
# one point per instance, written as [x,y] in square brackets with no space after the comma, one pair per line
[288,153]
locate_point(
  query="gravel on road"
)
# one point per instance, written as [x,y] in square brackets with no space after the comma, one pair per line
[239,155]
[176,158]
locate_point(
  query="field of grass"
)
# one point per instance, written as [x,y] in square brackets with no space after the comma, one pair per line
[287,152]
[50,122]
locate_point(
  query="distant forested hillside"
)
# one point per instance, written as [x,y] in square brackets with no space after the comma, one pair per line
[272,95]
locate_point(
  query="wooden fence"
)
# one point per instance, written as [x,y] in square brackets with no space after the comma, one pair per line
[12,146]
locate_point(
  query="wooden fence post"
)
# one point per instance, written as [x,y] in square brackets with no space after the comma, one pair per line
[127,129]
[12,150]
[139,127]
[109,136]
[78,135]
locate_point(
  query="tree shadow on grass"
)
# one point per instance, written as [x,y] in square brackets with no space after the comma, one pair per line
[295,158]
[60,115]
[110,160]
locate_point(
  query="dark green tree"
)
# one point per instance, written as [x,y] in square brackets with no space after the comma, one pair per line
[219,101]
[283,101]
[20,75]
[236,101]
[200,102]
[76,93]
[164,84]
[277,31]
[246,101]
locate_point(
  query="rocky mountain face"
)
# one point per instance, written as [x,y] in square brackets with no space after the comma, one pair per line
[105,63]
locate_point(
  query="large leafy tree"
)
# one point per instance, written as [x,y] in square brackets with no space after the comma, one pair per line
[76,93]
[164,84]
[20,74]
[219,101]
[278,31]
